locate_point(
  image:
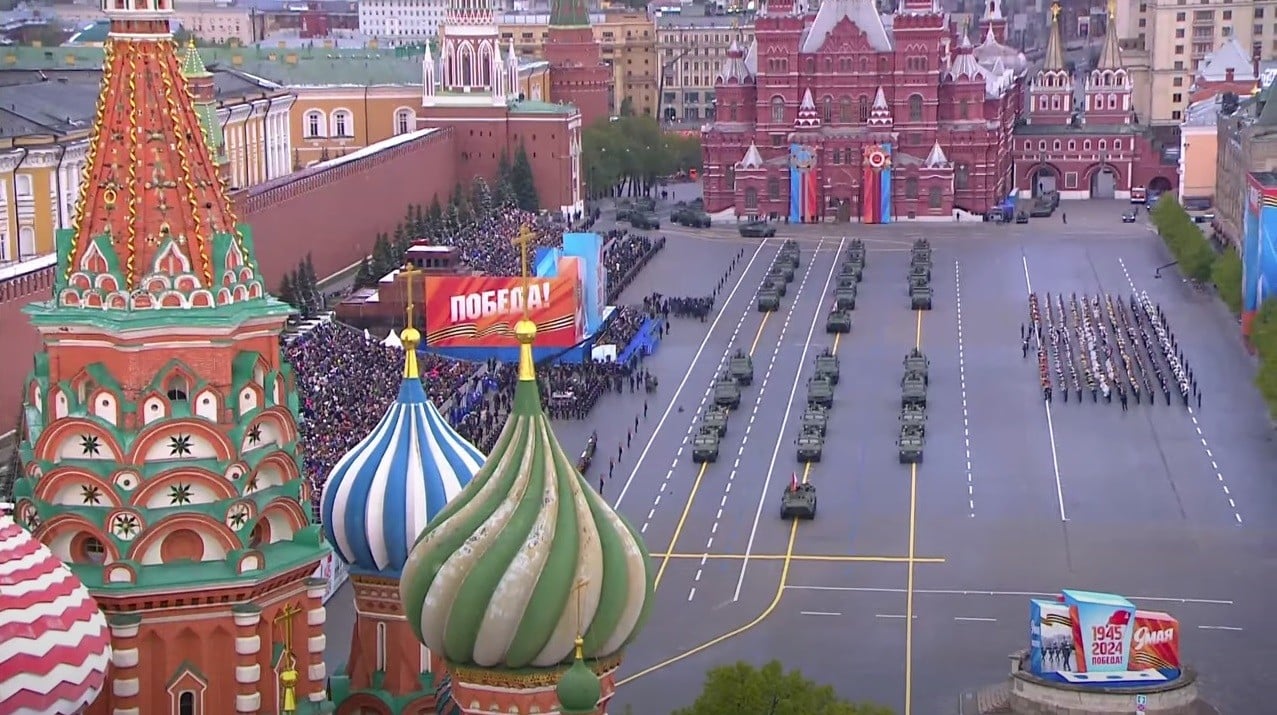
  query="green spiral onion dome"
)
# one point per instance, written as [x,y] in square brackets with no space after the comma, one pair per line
[527,557]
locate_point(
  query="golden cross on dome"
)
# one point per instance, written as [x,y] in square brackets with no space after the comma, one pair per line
[526,236]
[410,337]
[409,272]
[578,592]
[1055,12]
[1112,10]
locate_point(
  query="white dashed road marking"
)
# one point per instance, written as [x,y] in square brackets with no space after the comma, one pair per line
[1219,475]
[962,385]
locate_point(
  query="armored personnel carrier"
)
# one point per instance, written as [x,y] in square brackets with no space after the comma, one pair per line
[715,417]
[845,298]
[727,392]
[913,391]
[854,271]
[786,269]
[839,321]
[827,365]
[915,361]
[914,415]
[921,249]
[920,297]
[768,300]
[776,282]
[910,444]
[789,254]
[815,418]
[705,445]
[917,282]
[920,269]
[798,502]
[741,367]
[856,251]
[810,446]
[846,282]
[820,392]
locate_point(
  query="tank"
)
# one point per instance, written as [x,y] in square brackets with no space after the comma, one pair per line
[845,299]
[910,444]
[768,300]
[705,445]
[839,321]
[741,367]
[827,366]
[798,502]
[715,417]
[815,418]
[727,392]
[820,392]
[920,298]
[811,444]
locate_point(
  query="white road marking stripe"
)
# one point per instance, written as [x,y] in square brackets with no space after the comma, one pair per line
[1219,628]
[972,619]
[1020,594]
[820,613]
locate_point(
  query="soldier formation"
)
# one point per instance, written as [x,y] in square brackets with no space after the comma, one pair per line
[1108,347]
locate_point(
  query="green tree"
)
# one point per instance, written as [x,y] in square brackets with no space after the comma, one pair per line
[434,216]
[1263,335]
[742,689]
[286,291]
[627,108]
[481,200]
[523,181]
[364,277]
[402,239]
[383,256]
[1226,274]
[628,156]
[1183,239]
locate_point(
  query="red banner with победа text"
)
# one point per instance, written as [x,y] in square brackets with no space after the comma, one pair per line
[480,311]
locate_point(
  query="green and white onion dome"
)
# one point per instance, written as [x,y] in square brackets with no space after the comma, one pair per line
[527,557]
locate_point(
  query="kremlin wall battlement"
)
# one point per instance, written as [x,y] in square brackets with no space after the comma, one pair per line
[290,217]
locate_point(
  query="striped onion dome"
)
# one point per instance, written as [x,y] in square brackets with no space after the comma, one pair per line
[527,557]
[54,642]
[380,496]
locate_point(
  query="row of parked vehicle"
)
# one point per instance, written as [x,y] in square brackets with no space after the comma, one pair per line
[779,276]
[640,212]
[913,407]
[920,291]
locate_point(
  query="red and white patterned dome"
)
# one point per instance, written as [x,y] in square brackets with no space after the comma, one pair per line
[54,642]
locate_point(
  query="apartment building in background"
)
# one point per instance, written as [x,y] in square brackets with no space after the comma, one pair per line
[1246,142]
[627,43]
[396,22]
[692,49]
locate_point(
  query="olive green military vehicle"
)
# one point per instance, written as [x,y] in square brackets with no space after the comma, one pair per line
[920,269]
[839,321]
[785,268]
[811,445]
[851,270]
[815,418]
[913,391]
[690,217]
[846,282]
[768,300]
[727,392]
[916,282]
[705,445]
[790,254]
[715,417]
[644,220]
[820,392]
[921,249]
[757,229]
[827,366]
[645,203]
[920,297]
[798,502]
[856,252]
[741,367]
[910,444]
[915,361]
[776,283]
[845,298]
[915,415]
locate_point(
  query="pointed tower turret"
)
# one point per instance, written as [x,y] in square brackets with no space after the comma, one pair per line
[512,70]
[377,500]
[808,117]
[1108,85]
[161,457]
[204,96]
[429,76]
[936,159]
[1051,91]
[526,560]
[471,61]
[880,113]
[992,21]
[578,75]
[734,88]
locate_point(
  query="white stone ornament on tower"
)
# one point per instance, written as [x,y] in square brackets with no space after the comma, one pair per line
[808,117]
[429,79]
[512,68]
[880,113]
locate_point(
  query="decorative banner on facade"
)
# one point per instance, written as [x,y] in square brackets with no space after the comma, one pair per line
[875,184]
[480,311]
[1259,247]
[804,197]
[1100,639]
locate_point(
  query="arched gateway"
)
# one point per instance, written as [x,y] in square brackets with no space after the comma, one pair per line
[1104,182]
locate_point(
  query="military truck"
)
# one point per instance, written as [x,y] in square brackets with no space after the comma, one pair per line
[827,366]
[644,220]
[727,392]
[810,446]
[757,229]
[920,297]
[715,417]
[705,445]
[914,415]
[768,300]
[845,298]
[741,367]
[798,502]
[913,393]
[815,418]
[910,444]
[690,217]
[839,321]
[820,392]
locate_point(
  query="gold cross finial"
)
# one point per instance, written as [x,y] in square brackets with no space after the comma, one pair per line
[1055,12]
[526,236]
[410,337]
[284,621]
[578,592]
[1112,12]
[525,331]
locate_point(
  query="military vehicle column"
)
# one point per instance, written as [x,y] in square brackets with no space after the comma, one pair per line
[920,291]
[913,407]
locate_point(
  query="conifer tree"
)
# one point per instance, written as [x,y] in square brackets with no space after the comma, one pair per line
[286,292]
[523,182]
[481,198]
[383,256]
[364,277]
[434,217]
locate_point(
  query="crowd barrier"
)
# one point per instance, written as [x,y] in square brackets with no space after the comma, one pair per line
[645,340]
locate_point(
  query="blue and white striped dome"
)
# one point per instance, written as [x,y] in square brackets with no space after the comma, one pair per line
[381,495]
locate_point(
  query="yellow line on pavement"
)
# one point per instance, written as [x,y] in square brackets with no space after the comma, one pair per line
[696,485]
[913,534]
[831,558]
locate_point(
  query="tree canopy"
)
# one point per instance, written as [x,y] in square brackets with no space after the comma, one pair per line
[741,688]
[629,154]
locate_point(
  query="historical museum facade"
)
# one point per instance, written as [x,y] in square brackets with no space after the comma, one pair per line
[846,114]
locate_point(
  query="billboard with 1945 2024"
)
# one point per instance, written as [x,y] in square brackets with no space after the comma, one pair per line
[480,311]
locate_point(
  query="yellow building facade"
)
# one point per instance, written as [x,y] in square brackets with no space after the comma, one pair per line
[627,42]
[692,51]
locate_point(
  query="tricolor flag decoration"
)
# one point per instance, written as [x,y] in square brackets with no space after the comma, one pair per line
[793,482]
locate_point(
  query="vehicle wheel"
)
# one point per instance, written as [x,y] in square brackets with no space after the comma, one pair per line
[782,513]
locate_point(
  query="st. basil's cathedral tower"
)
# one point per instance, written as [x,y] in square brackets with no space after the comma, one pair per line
[527,584]
[378,499]
[160,439]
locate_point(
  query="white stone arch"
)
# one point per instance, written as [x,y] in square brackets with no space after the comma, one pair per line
[465,64]
[403,120]
[484,70]
[314,124]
